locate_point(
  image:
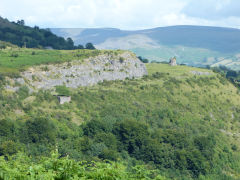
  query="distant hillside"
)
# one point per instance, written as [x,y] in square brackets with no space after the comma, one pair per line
[193,45]
[21,35]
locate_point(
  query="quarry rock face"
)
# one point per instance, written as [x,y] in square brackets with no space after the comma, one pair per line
[85,73]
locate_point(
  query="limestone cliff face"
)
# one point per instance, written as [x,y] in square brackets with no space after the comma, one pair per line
[85,73]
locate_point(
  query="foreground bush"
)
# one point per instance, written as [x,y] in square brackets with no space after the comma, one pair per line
[21,167]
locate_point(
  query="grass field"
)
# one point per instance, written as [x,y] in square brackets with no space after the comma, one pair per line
[173,70]
[13,60]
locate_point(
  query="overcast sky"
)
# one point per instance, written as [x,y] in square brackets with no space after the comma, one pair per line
[124,14]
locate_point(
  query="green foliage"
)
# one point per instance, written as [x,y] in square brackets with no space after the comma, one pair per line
[171,123]
[7,128]
[14,55]
[4,45]
[231,75]
[121,59]
[62,90]
[15,60]
[23,92]
[25,36]
[89,46]
[9,148]
[144,60]
[20,167]
[132,135]
[40,130]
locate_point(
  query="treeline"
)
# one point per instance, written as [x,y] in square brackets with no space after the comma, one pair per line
[142,59]
[24,36]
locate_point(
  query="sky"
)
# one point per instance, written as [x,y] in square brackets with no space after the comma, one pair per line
[123,14]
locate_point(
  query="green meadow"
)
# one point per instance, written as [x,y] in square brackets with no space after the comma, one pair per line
[14,60]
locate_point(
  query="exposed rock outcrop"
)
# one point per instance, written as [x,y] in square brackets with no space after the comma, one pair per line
[199,73]
[109,66]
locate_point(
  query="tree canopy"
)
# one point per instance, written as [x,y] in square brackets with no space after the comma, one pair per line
[24,36]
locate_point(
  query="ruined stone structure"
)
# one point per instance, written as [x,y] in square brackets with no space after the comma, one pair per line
[64,99]
[173,61]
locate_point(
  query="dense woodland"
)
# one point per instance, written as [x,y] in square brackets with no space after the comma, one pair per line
[170,124]
[24,36]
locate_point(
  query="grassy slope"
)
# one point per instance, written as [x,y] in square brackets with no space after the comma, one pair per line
[17,59]
[188,96]
[173,99]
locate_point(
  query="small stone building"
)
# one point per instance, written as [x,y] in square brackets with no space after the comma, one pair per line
[64,99]
[173,61]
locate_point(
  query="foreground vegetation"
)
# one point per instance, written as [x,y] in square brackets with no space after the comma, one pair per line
[54,167]
[170,124]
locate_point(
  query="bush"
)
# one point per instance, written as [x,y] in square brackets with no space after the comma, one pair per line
[90,46]
[121,59]
[40,130]
[7,128]
[62,90]
[3,46]
[132,135]
[8,148]
[15,55]
[23,92]
[144,60]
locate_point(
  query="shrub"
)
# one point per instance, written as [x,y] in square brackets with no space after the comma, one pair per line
[3,46]
[45,68]
[8,148]
[7,128]
[23,92]
[90,46]
[62,90]
[15,55]
[40,130]
[121,59]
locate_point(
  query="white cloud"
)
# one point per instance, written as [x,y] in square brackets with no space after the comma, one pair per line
[125,14]
[212,9]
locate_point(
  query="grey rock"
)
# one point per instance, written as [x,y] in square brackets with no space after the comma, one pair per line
[10,88]
[20,81]
[85,73]
[199,73]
